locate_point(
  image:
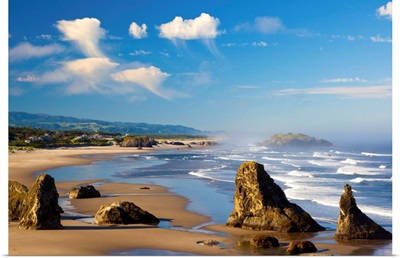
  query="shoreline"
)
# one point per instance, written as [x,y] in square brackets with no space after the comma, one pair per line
[90,239]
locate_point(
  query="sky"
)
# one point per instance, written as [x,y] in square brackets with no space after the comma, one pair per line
[255,68]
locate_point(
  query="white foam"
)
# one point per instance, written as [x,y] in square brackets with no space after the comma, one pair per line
[361,179]
[353,170]
[369,154]
[376,210]
[349,161]
[278,159]
[299,173]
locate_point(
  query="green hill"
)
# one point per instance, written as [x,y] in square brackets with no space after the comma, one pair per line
[62,123]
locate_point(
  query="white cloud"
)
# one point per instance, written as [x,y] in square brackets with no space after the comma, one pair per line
[379,39]
[346,91]
[138,32]
[343,80]
[26,51]
[202,27]
[85,32]
[149,78]
[268,25]
[385,11]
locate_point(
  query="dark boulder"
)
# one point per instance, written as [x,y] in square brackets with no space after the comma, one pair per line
[300,247]
[40,209]
[16,194]
[261,204]
[84,192]
[264,241]
[124,213]
[353,223]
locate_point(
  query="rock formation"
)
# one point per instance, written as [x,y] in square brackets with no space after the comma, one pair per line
[16,194]
[261,204]
[264,241]
[300,247]
[353,223]
[124,213]
[84,192]
[40,209]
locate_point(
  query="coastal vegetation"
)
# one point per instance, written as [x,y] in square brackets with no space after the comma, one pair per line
[28,138]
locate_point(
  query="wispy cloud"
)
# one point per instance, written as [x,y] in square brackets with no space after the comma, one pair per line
[245,44]
[95,73]
[263,24]
[45,37]
[385,11]
[25,51]
[149,78]
[345,91]
[28,78]
[138,32]
[379,39]
[85,75]
[140,53]
[343,80]
[347,37]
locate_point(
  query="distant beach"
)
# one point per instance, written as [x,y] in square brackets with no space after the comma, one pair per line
[181,227]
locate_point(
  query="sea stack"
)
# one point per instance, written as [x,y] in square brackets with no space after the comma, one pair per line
[261,204]
[353,223]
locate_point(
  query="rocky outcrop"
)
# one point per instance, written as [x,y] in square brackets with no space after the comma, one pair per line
[353,223]
[264,241]
[84,192]
[261,204]
[40,209]
[138,141]
[16,194]
[124,213]
[300,247]
[295,140]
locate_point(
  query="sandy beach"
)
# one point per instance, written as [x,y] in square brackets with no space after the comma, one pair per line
[83,238]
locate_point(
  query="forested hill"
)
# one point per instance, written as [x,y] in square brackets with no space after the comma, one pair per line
[58,123]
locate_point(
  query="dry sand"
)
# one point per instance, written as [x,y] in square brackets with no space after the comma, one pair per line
[83,238]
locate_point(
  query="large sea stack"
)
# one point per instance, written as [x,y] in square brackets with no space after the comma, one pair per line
[40,209]
[353,223]
[261,204]
[295,140]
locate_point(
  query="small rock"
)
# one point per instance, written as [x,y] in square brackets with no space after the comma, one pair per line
[84,192]
[300,247]
[264,241]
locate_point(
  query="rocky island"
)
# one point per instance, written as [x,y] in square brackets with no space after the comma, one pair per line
[295,140]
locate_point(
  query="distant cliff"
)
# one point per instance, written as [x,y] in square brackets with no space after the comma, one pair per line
[295,140]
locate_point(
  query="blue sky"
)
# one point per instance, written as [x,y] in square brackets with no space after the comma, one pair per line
[322,68]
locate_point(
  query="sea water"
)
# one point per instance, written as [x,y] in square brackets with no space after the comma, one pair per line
[313,178]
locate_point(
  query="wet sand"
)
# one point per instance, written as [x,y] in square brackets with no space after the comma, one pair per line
[174,233]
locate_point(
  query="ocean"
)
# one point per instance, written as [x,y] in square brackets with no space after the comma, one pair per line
[313,178]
